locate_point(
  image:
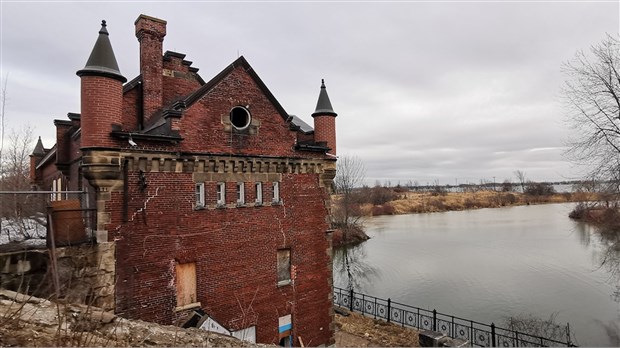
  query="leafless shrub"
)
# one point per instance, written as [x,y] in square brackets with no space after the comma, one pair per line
[535,326]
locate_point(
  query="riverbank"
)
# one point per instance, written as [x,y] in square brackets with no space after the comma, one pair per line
[430,202]
[433,202]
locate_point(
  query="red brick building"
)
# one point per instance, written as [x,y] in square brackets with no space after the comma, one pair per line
[210,193]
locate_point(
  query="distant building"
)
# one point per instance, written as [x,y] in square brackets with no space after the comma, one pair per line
[210,194]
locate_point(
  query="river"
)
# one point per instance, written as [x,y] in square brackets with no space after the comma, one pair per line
[489,264]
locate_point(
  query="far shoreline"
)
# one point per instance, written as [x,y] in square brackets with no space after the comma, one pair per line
[410,202]
[430,202]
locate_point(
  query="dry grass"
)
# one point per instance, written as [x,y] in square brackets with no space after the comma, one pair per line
[376,333]
[28,321]
[414,202]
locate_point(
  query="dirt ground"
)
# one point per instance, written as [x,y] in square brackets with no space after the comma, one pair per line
[28,321]
[356,330]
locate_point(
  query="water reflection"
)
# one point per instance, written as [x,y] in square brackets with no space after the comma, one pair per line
[606,256]
[584,231]
[610,258]
[491,263]
[352,269]
[607,252]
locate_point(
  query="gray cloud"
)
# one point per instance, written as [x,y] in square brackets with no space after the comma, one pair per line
[424,91]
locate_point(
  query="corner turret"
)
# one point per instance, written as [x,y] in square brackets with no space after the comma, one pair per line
[101,94]
[325,121]
[36,156]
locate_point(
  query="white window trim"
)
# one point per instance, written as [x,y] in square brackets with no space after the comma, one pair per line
[259,193]
[240,193]
[59,189]
[200,195]
[276,192]
[221,194]
[53,194]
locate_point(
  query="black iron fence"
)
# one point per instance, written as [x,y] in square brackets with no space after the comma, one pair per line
[479,334]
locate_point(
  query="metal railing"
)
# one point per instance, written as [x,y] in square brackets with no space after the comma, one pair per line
[479,334]
[31,215]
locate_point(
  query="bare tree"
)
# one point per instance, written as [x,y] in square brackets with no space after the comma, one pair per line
[536,326]
[16,160]
[2,123]
[17,211]
[521,178]
[350,175]
[591,94]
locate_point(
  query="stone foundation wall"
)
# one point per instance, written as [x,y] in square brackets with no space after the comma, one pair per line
[86,273]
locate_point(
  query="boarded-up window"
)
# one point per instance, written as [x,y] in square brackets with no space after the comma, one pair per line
[284,265]
[186,284]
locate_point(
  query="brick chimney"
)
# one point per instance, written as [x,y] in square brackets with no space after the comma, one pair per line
[150,32]
[325,121]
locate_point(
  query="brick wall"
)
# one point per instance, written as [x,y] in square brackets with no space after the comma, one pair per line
[132,109]
[325,131]
[101,104]
[235,254]
[178,81]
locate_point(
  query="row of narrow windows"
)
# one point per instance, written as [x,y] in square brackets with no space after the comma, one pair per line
[220,194]
[57,190]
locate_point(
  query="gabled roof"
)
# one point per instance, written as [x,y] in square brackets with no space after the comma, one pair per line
[240,62]
[323,105]
[299,124]
[156,130]
[49,155]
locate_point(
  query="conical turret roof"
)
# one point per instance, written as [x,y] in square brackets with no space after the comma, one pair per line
[323,105]
[102,61]
[39,150]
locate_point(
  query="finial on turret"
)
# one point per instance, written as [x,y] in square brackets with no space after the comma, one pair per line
[322,83]
[103,29]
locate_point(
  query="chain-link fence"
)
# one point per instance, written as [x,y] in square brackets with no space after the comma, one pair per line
[38,218]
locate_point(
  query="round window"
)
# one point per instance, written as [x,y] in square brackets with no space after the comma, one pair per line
[240,117]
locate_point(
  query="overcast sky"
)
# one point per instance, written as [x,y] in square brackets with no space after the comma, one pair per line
[424,91]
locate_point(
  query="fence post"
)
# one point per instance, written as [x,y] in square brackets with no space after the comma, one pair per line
[351,301]
[452,329]
[434,320]
[375,308]
[568,342]
[363,305]
[389,309]
[516,338]
[493,335]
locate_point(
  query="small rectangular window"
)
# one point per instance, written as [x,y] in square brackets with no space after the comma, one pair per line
[259,192]
[284,266]
[221,193]
[276,192]
[186,285]
[240,193]
[200,195]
